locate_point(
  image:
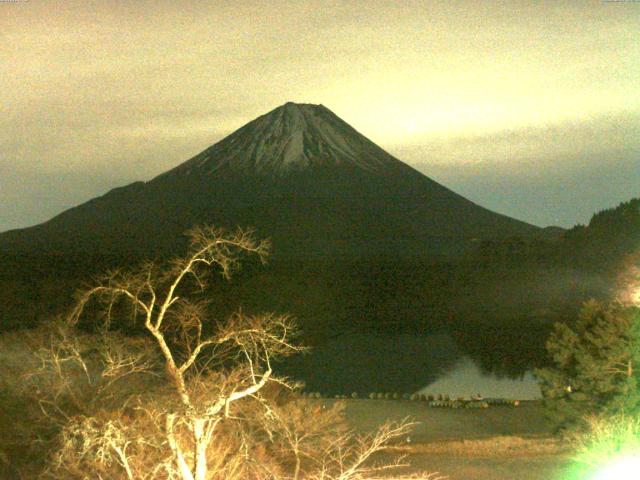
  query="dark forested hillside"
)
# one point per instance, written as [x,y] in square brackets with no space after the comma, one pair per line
[525,285]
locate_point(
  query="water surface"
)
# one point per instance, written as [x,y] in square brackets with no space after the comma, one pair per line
[465,378]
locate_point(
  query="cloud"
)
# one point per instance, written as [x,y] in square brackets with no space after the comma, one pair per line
[557,175]
[520,149]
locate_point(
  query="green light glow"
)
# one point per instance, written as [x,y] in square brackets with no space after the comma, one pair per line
[625,468]
[610,450]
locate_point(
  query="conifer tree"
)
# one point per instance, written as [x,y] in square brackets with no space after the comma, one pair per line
[595,364]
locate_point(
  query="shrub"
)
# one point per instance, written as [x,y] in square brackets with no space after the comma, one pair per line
[607,442]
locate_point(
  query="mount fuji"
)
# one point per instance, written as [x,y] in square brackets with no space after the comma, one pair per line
[299,175]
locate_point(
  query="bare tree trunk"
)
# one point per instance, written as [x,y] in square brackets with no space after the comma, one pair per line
[200,440]
[172,369]
[296,472]
[184,469]
[124,461]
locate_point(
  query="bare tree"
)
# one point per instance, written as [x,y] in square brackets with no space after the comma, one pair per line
[190,398]
[315,435]
[194,359]
[301,429]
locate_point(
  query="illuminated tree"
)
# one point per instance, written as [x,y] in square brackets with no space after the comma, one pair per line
[595,364]
[189,398]
[207,372]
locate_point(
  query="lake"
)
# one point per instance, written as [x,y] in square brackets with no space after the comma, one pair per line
[402,363]
[465,378]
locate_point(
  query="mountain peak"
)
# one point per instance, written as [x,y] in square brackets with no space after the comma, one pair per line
[302,108]
[299,105]
[292,137]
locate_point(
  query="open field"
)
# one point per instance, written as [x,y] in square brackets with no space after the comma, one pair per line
[438,424]
[497,443]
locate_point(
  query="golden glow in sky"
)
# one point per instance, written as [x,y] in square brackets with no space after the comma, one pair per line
[111,91]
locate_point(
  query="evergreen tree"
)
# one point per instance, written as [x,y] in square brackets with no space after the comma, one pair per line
[595,364]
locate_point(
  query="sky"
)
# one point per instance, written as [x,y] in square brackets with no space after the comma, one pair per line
[529,108]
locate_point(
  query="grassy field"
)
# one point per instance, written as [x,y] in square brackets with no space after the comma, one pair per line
[492,467]
[497,443]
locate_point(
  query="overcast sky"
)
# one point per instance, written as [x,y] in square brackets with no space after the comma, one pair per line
[531,109]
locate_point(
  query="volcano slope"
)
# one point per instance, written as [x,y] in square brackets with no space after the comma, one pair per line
[298,174]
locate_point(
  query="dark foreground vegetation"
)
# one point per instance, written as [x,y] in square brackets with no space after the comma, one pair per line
[152,374]
[483,300]
[183,397]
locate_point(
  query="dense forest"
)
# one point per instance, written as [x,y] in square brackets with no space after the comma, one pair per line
[531,284]
[486,300]
[600,246]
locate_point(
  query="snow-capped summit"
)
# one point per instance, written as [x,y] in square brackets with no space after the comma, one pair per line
[294,136]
